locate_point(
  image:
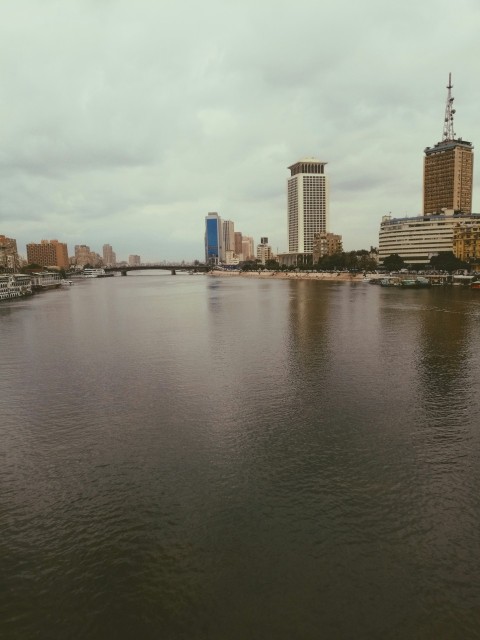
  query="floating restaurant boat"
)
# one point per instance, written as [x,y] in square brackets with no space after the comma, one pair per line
[15,285]
[475,284]
[45,280]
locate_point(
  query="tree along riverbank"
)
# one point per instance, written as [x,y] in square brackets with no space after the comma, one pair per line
[301,275]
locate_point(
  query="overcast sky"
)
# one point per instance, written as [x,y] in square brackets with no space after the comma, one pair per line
[127,121]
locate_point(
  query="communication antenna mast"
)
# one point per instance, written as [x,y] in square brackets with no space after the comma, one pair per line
[448,132]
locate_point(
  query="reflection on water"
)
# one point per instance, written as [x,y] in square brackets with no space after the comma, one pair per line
[229,458]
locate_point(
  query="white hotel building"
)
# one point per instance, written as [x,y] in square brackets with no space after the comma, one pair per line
[417,239]
[307,207]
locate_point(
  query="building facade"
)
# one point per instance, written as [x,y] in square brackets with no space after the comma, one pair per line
[307,204]
[448,169]
[134,260]
[48,253]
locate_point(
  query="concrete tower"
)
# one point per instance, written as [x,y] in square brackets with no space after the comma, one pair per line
[448,169]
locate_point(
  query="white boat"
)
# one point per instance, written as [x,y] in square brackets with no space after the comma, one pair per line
[97,273]
[15,285]
[93,273]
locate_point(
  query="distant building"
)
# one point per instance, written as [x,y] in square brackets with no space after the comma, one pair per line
[213,238]
[8,254]
[264,251]
[248,248]
[48,253]
[448,169]
[238,245]
[134,261]
[326,244]
[84,256]
[109,256]
[228,238]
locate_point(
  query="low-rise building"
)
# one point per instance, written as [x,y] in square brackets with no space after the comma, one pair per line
[326,244]
[419,238]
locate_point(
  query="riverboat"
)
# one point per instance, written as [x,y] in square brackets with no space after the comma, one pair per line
[475,285]
[462,280]
[15,285]
[97,273]
[45,280]
[391,281]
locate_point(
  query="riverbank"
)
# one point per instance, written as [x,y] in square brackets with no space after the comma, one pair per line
[291,275]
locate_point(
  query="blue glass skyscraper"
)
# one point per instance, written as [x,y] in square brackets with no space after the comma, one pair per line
[213,237]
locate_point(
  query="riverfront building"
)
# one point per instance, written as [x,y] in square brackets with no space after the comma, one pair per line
[49,253]
[448,169]
[418,239]
[447,223]
[307,210]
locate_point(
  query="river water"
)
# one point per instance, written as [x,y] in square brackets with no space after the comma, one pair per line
[231,458]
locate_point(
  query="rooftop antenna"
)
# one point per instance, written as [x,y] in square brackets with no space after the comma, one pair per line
[448,132]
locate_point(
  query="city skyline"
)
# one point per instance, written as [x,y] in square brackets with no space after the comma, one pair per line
[107,137]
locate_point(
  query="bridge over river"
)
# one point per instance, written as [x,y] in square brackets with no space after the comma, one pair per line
[173,268]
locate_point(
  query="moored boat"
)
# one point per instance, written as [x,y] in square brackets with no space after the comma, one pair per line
[15,285]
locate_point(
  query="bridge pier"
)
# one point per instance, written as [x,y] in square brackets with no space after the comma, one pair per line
[174,273]
[123,272]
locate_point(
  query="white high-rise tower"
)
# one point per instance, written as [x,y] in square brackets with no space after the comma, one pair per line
[308,206]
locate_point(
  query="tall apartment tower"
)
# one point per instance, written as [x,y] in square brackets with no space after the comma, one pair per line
[308,204]
[448,169]
[213,238]
[109,257]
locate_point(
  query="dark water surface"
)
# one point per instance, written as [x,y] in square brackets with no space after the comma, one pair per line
[220,458]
